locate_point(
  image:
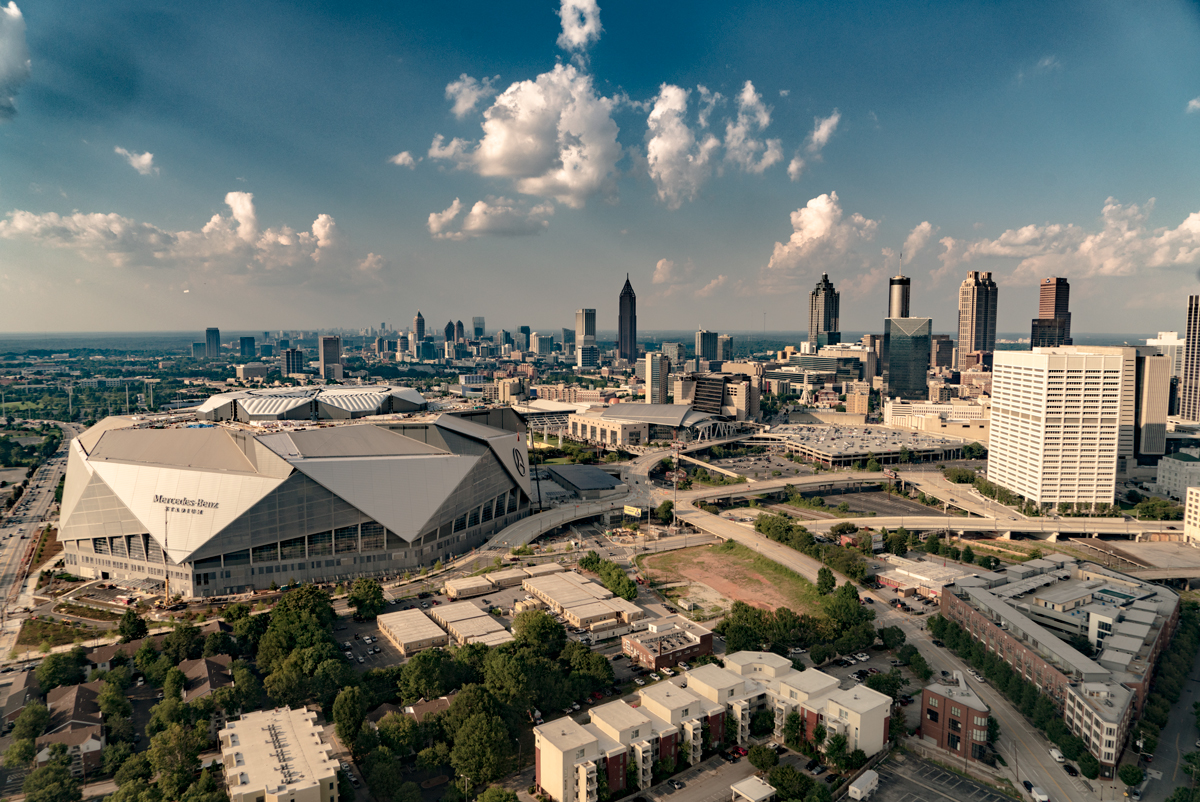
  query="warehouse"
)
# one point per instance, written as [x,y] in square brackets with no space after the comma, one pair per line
[216,509]
[466,623]
[410,631]
[466,587]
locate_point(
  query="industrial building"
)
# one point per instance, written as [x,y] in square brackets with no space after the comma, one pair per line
[584,604]
[278,756]
[222,509]
[411,631]
[467,623]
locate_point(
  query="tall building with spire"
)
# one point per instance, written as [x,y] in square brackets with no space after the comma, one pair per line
[460,333]
[898,292]
[627,323]
[823,305]
[977,297]
[450,332]
[418,333]
[1052,326]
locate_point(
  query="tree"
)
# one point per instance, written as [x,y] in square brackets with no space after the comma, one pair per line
[891,683]
[132,626]
[994,730]
[788,782]
[968,555]
[892,637]
[481,748]
[1130,774]
[175,757]
[665,512]
[763,758]
[135,767]
[173,684]
[185,642]
[348,712]
[63,668]
[538,631]
[495,793]
[52,783]
[205,789]
[120,728]
[113,701]
[20,753]
[32,722]
[366,597]
[1089,765]
[219,643]
[835,750]
[825,581]
[115,755]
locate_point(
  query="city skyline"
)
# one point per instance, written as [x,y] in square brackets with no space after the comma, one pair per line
[724,173]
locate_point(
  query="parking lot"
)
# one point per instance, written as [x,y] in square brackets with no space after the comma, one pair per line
[905,778]
[761,466]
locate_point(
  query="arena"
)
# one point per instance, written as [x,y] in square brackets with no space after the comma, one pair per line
[221,508]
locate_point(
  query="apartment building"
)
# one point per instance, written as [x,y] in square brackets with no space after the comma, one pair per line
[954,718]
[278,755]
[1028,613]
[1191,515]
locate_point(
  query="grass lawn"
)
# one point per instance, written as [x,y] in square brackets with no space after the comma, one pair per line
[36,632]
[80,611]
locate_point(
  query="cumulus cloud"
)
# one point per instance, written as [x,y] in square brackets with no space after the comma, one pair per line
[918,238]
[823,238]
[553,136]
[404,159]
[230,245]
[708,102]
[467,92]
[741,147]
[823,129]
[710,289]
[1193,105]
[14,59]
[580,24]
[1124,245]
[142,162]
[678,163]
[795,167]
[499,216]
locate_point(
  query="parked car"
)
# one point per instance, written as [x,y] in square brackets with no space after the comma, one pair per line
[676,784]
[740,751]
[937,642]
[639,681]
[862,657]
[818,771]
[655,677]
[1069,769]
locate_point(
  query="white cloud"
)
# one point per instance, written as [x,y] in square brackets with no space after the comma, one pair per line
[708,102]
[709,289]
[371,263]
[795,167]
[580,24]
[822,132]
[784,92]
[823,239]
[404,159]
[499,216]
[741,147]
[664,272]
[1122,246]
[14,59]
[678,164]
[1193,105]
[917,239]
[1044,65]
[229,245]
[142,162]
[466,93]
[553,136]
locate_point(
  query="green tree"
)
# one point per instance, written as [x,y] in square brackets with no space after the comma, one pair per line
[20,753]
[63,668]
[825,581]
[348,712]
[173,684]
[665,512]
[136,767]
[1089,766]
[495,793]
[113,701]
[115,755]
[968,555]
[836,750]
[539,632]
[788,782]
[32,721]
[120,728]
[893,637]
[52,783]
[481,748]
[1130,774]
[185,642]
[891,683]
[175,757]
[219,643]
[993,730]
[132,626]
[205,789]
[366,597]
[763,758]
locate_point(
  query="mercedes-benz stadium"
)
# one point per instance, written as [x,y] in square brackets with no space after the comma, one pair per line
[222,508]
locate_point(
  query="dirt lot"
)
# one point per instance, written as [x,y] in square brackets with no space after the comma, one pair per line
[715,576]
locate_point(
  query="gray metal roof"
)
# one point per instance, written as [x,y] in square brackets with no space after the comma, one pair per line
[205,449]
[355,441]
[659,414]
[583,477]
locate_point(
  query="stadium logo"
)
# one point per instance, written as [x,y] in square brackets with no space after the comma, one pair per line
[519,458]
[197,503]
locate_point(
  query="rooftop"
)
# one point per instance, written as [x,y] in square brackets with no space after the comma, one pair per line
[278,750]
[960,692]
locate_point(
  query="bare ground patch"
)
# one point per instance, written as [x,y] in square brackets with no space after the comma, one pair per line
[714,579]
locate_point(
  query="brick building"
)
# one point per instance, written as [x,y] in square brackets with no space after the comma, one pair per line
[954,718]
[666,642]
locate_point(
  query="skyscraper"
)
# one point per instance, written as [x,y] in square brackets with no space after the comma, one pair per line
[418,331]
[246,346]
[212,343]
[724,347]
[674,352]
[658,370]
[907,347]
[976,315]
[898,292]
[522,340]
[460,333]
[329,352]
[1189,388]
[627,323]
[706,344]
[1052,327]
[585,335]
[478,325]
[1154,379]
[291,361]
[823,307]
[449,332]
[568,341]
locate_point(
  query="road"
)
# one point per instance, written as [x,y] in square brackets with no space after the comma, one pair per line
[26,520]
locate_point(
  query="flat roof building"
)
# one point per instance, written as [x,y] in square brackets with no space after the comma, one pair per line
[666,642]
[278,756]
[411,631]
[954,718]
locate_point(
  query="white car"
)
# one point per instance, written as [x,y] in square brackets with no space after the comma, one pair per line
[862,657]
[668,672]
[639,681]
[655,677]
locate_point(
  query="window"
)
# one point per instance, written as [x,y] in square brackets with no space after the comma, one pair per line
[933,702]
[634,734]
[578,754]
[932,715]
[954,742]
[954,711]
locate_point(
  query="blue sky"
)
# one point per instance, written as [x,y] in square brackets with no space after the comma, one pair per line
[262,165]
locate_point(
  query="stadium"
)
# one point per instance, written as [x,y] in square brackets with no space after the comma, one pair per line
[222,508]
[333,402]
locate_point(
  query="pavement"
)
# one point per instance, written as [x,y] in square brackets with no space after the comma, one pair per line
[907,778]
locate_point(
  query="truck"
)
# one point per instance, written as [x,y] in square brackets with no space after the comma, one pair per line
[864,786]
[1039,795]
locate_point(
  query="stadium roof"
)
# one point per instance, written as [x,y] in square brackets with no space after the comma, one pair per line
[674,415]
[321,402]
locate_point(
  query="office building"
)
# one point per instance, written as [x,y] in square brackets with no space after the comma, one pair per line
[278,755]
[658,369]
[568,341]
[212,343]
[1062,420]
[943,352]
[1029,616]
[706,345]
[1170,345]
[585,339]
[521,342]
[724,348]
[1153,402]
[418,332]
[1191,516]
[735,396]
[823,314]
[199,350]
[460,334]
[907,349]
[976,314]
[246,347]
[627,324]
[542,344]
[956,418]
[1189,386]
[266,350]
[329,354]
[292,361]
[1052,327]
[676,352]
[448,332]
[477,324]
[898,296]
[231,508]
[955,718]
[1177,474]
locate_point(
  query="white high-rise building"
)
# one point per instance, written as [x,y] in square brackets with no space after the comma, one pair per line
[1062,422]
[1170,344]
